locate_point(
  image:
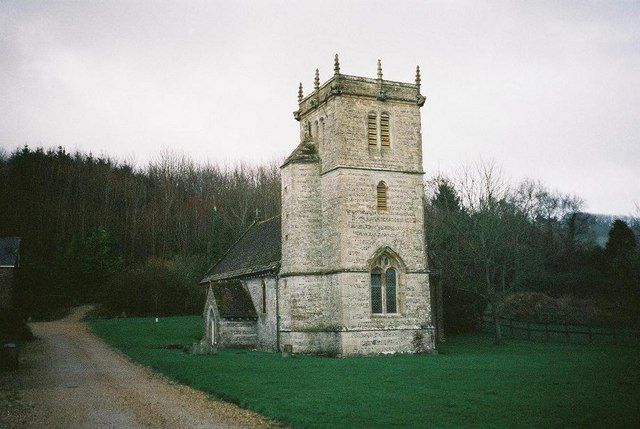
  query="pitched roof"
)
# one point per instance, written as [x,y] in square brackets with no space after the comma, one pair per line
[305,152]
[257,251]
[233,301]
[9,256]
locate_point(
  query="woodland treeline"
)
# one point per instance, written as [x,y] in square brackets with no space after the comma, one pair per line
[137,239]
[85,221]
[528,253]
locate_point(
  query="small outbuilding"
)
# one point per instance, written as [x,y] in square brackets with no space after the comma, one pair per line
[240,305]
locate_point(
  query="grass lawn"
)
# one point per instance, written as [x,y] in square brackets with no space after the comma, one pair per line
[470,383]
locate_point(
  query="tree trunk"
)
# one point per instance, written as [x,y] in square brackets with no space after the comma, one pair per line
[497,339]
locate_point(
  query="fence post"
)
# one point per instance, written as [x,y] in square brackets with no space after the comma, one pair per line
[529,331]
[546,331]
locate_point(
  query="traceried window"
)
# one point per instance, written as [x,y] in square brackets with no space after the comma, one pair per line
[372,129]
[384,281]
[381,197]
[384,130]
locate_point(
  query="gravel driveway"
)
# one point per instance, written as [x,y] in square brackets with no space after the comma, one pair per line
[70,379]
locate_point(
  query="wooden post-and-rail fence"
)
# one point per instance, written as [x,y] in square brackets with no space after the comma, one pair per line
[569,331]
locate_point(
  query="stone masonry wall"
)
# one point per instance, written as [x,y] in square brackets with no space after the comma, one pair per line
[355,229]
[267,321]
[308,305]
[238,333]
[350,146]
[332,314]
[301,221]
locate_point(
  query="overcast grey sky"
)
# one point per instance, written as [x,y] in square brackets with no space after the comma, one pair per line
[548,90]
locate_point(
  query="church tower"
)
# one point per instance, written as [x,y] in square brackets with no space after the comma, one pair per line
[353,276]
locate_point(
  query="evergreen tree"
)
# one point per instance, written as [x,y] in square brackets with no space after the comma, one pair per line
[622,240]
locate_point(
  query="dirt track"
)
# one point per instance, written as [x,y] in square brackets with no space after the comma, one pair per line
[70,379]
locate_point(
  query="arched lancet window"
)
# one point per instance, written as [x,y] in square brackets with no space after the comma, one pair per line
[372,129]
[212,327]
[381,196]
[385,140]
[376,291]
[384,286]
[263,297]
[321,135]
[390,281]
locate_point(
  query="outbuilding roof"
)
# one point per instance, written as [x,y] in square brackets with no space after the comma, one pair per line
[9,247]
[257,251]
[305,152]
[233,300]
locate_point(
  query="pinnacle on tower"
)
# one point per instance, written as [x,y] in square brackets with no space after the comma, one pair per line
[336,65]
[379,70]
[300,95]
[418,77]
[316,81]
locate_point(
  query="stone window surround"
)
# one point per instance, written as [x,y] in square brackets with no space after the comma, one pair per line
[393,261]
[382,197]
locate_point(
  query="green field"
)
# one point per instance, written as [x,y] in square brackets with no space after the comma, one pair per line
[471,383]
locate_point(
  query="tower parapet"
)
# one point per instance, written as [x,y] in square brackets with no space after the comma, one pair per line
[356,86]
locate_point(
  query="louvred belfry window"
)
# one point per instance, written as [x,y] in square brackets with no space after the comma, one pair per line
[381,194]
[372,129]
[384,130]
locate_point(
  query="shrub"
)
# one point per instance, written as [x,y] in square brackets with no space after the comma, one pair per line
[13,328]
[156,288]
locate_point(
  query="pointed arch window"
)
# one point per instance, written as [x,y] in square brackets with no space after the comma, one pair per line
[212,327]
[372,129]
[381,196]
[376,291]
[385,140]
[384,286]
[263,297]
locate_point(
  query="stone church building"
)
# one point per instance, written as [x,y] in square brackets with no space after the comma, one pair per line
[343,269]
